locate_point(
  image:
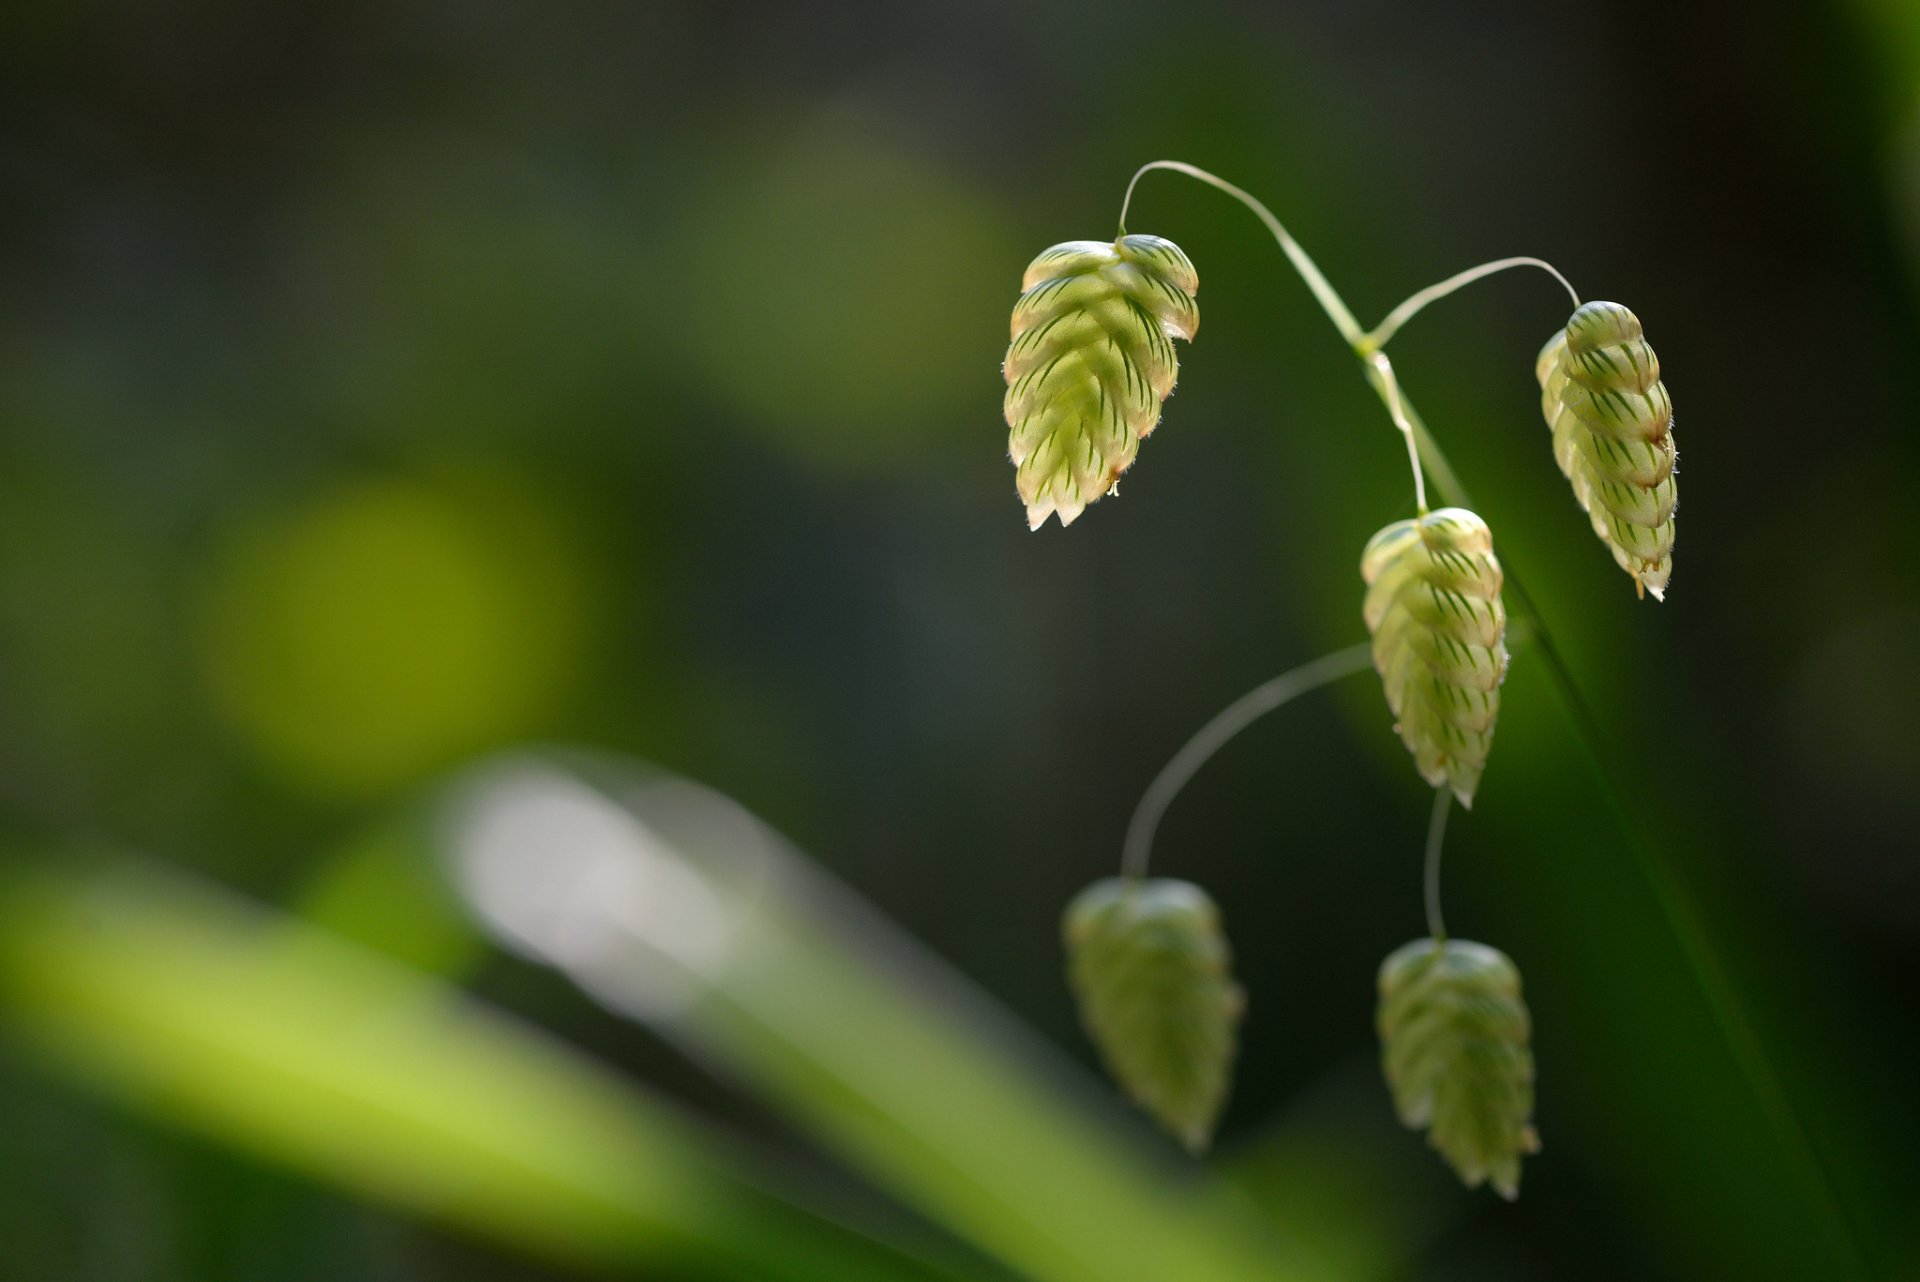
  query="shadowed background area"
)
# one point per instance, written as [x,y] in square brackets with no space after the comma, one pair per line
[385,390]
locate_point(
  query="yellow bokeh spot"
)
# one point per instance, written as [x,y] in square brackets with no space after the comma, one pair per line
[388,627]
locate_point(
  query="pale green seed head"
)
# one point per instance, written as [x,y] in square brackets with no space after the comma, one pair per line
[1151,970]
[1433,607]
[1455,1041]
[1091,360]
[1612,423]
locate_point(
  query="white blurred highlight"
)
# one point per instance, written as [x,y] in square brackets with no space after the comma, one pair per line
[569,876]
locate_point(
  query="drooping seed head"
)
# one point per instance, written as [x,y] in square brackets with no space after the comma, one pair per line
[1433,607]
[1091,360]
[1455,1039]
[1612,422]
[1151,970]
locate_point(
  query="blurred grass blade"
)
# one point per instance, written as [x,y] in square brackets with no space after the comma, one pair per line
[376,891]
[284,1041]
[673,905]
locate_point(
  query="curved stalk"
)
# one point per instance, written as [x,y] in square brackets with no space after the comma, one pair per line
[1379,369]
[1382,369]
[1227,723]
[1378,336]
[1436,837]
[1329,299]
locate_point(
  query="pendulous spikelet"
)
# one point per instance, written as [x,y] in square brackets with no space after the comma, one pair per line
[1612,427]
[1455,1036]
[1433,607]
[1091,360]
[1151,969]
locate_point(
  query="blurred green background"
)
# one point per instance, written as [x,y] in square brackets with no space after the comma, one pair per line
[389,389]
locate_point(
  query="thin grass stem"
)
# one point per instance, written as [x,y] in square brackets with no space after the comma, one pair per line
[1436,839]
[1389,385]
[1329,299]
[1380,334]
[1137,849]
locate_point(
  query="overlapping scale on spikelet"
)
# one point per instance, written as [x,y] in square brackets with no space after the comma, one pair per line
[1433,607]
[1151,970]
[1091,360]
[1455,1040]
[1612,427]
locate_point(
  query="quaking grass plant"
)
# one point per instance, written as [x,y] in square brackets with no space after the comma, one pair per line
[1091,363]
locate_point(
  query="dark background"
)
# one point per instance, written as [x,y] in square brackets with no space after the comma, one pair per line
[384,385]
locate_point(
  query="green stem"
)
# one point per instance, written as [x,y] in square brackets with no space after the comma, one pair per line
[1380,374]
[1382,333]
[1379,369]
[1213,736]
[1329,299]
[1436,838]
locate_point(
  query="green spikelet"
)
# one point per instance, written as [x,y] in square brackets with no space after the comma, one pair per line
[1150,967]
[1613,436]
[1433,607]
[1454,1035]
[1091,361]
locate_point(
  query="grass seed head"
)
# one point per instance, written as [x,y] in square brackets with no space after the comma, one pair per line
[1091,360]
[1151,969]
[1455,1040]
[1612,427]
[1439,628]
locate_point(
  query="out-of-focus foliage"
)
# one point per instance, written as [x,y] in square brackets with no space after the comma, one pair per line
[822,285]
[384,386]
[375,632]
[287,1043]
